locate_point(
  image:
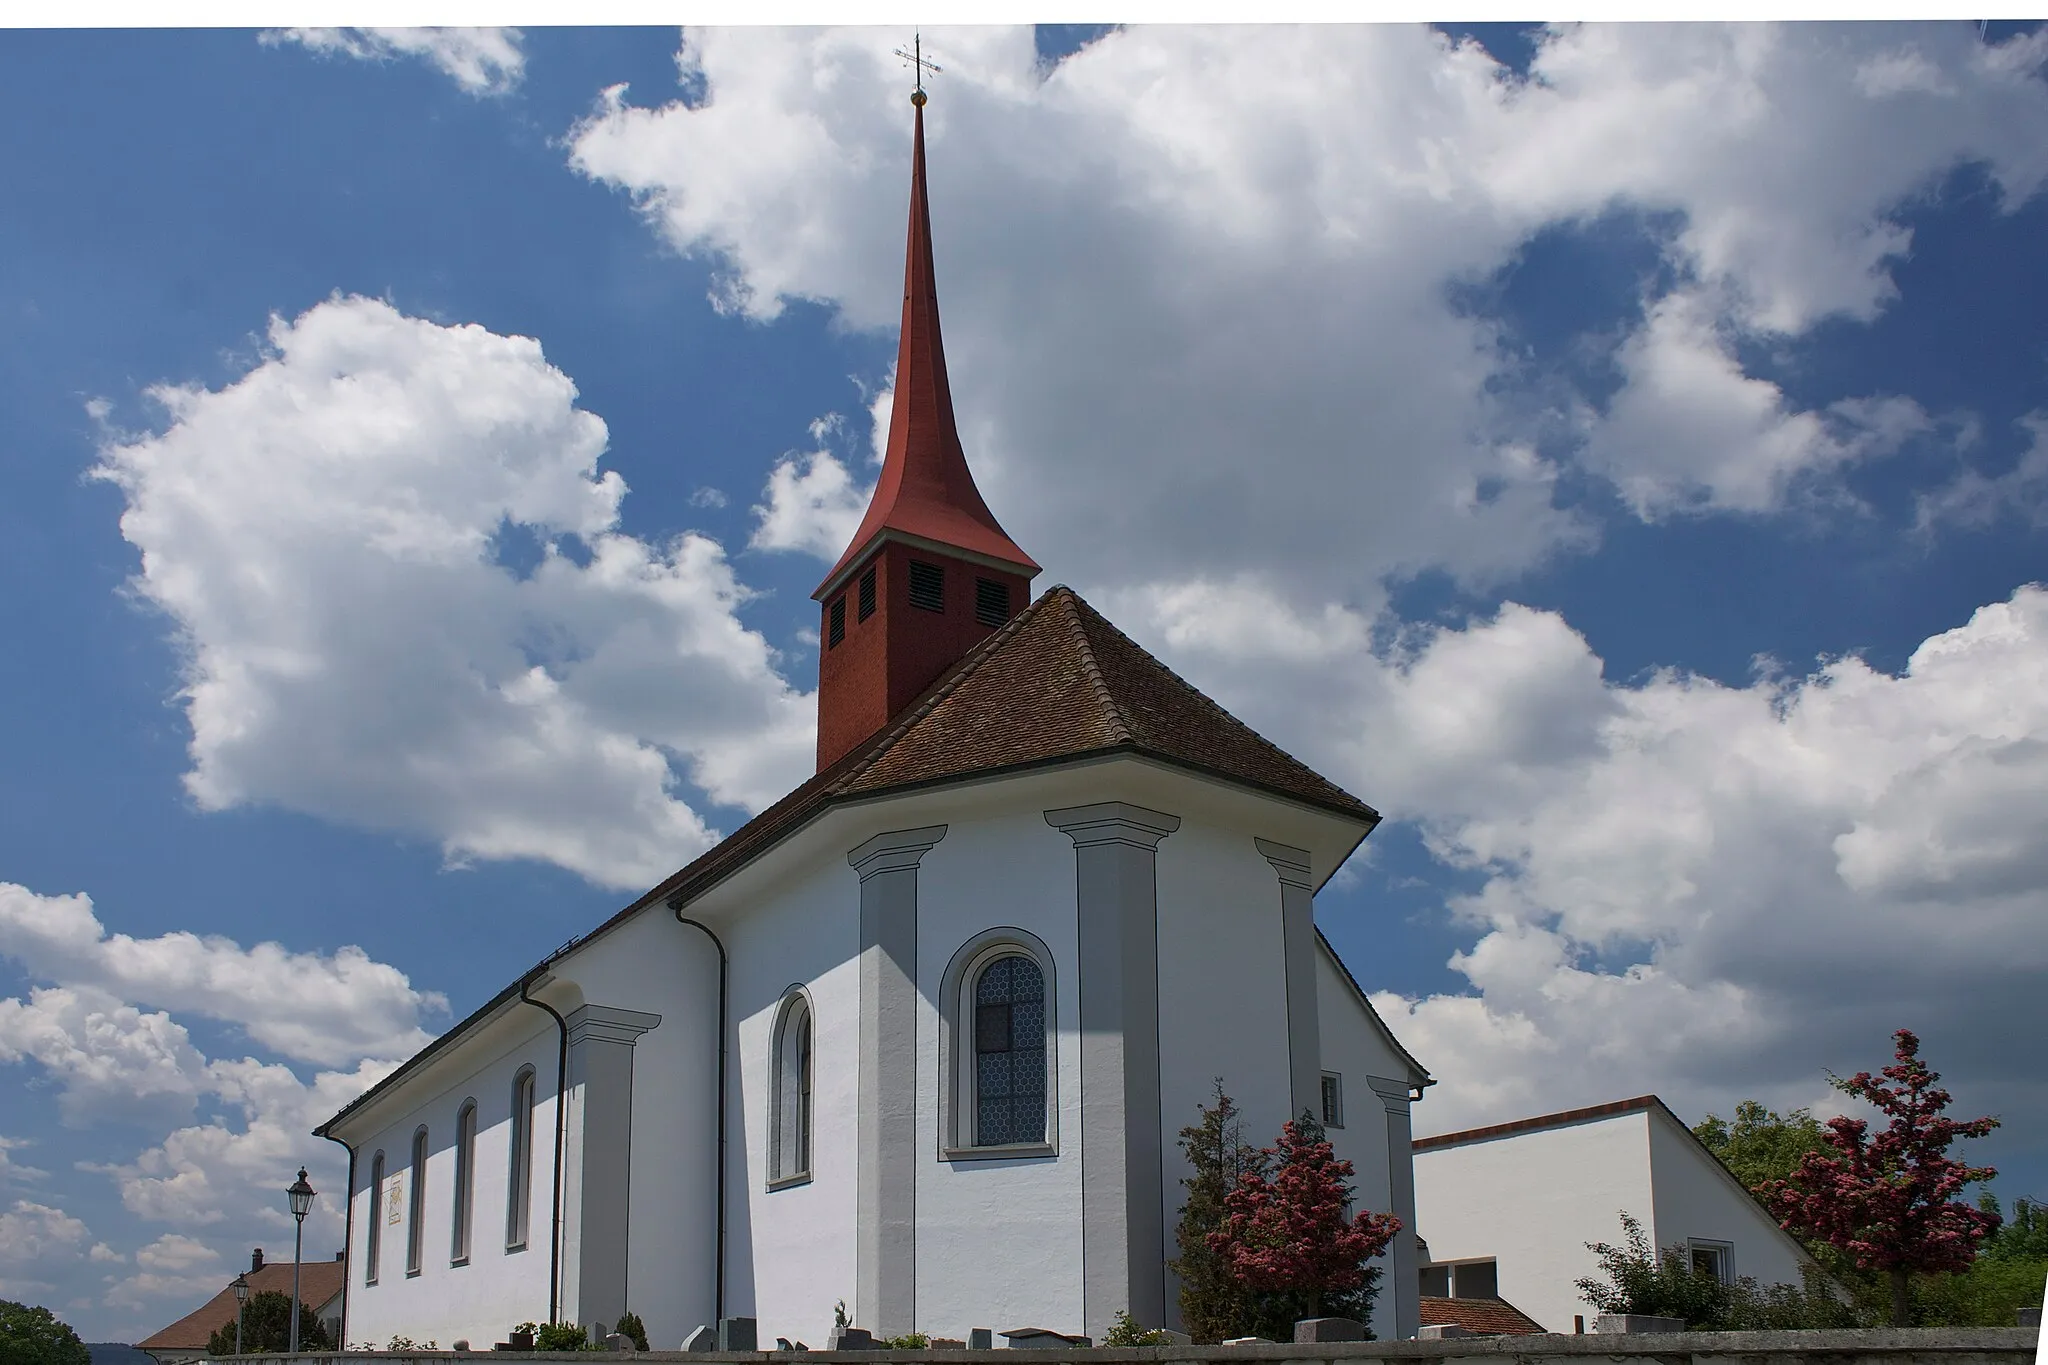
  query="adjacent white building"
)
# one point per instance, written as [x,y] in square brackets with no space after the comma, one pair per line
[1507,1211]
[920,1036]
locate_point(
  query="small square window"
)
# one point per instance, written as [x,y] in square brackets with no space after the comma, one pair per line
[991,601]
[836,630]
[1436,1281]
[867,593]
[1333,1100]
[1713,1258]
[1475,1280]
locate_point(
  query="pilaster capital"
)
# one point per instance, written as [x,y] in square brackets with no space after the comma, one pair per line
[1291,863]
[1113,822]
[1395,1095]
[894,851]
[606,1024]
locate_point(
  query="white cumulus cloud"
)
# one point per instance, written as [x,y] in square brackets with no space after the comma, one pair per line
[483,61]
[336,537]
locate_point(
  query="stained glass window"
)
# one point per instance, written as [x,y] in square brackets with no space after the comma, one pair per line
[1009,1053]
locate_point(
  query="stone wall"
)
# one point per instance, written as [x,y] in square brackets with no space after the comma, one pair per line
[1918,1346]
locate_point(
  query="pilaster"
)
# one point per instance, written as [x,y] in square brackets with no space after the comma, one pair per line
[885,1255]
[597,1161]
[1401,1278]
[1123,1220]
[1298,944]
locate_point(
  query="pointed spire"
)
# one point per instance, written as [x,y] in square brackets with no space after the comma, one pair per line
[926,490]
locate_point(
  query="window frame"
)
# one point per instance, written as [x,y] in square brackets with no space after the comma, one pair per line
[373,1240]
[957,1069]
[519,1154]
[1722,1252]
[794,1011]
[1331,1095]
[866,599]
[986,590]
[465,1184]
[416,1204]
[935,578]
[835,622]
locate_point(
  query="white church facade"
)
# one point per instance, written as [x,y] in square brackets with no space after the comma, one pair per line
[920,1036]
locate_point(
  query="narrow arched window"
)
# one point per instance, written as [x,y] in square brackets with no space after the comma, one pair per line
[1009,1052]
[519,1192]
[373,1242]
[790,1157]
[465,1179]
[415,1242]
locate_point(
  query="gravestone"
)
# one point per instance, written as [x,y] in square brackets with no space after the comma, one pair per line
[1174,1338]
[1443,1331]
[736,1334]
[846,1338]
[980,1339]
[1636,1323]
[1247,1341]
[1329,1329]
[703,1339]
[947,1344]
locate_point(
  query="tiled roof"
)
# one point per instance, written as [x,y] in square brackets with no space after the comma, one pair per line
[1055,684]
[1058,682]
[319,1281]
[1490,1317]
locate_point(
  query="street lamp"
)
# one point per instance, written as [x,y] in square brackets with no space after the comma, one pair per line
[301,1195]
[241,1288]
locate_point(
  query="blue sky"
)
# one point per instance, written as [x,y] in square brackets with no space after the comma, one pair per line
[1620,455]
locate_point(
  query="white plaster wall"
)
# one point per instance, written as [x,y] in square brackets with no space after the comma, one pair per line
[791,1251]
[482,1300]
[657,966]
[1532,1201]
[999,1242]
[1697,1198]
[1354,1049]
[1222,996]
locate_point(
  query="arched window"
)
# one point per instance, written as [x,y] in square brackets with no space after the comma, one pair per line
[1008,1026]
[416,1214]
[519,1192]
[465,1178]
[789,1157]
[374,1239]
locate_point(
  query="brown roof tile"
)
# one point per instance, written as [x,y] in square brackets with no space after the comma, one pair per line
[319,1281]
[1057,683]
[1530,1125]
[1490,1317]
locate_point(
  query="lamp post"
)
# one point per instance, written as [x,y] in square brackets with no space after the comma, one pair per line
[301,1196]
[241,1288]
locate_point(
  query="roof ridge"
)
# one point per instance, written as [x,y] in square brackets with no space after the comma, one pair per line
[947,684]
[1091,668]
[1214,706]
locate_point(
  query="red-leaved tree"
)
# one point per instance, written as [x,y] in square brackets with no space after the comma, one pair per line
[1288,1239]
[1890,1202]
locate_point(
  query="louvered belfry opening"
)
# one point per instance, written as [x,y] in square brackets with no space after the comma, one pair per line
[926,538]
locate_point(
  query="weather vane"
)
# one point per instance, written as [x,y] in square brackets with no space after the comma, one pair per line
[915,57]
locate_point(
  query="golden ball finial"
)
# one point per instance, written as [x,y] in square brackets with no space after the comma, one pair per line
[917,98]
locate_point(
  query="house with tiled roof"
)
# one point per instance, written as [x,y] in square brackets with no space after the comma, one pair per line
[920,1036]
[1507,1210]
[320,1284]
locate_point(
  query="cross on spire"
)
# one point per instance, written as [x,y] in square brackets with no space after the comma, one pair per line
[916,59]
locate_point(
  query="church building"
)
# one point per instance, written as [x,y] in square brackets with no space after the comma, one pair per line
[920,1036]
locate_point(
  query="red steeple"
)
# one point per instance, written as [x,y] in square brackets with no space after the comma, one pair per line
[930,572]
[926,490]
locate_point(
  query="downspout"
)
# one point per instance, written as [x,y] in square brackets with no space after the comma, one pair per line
[348,1237]
[561,1119]
[718,1293]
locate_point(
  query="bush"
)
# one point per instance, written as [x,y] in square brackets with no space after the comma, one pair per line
[561,1336]
[909,1341]
[35,1336]
[267,1328]
[1126,1332]
[1668,1286]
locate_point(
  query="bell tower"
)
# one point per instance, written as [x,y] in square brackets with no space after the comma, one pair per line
[929,573]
